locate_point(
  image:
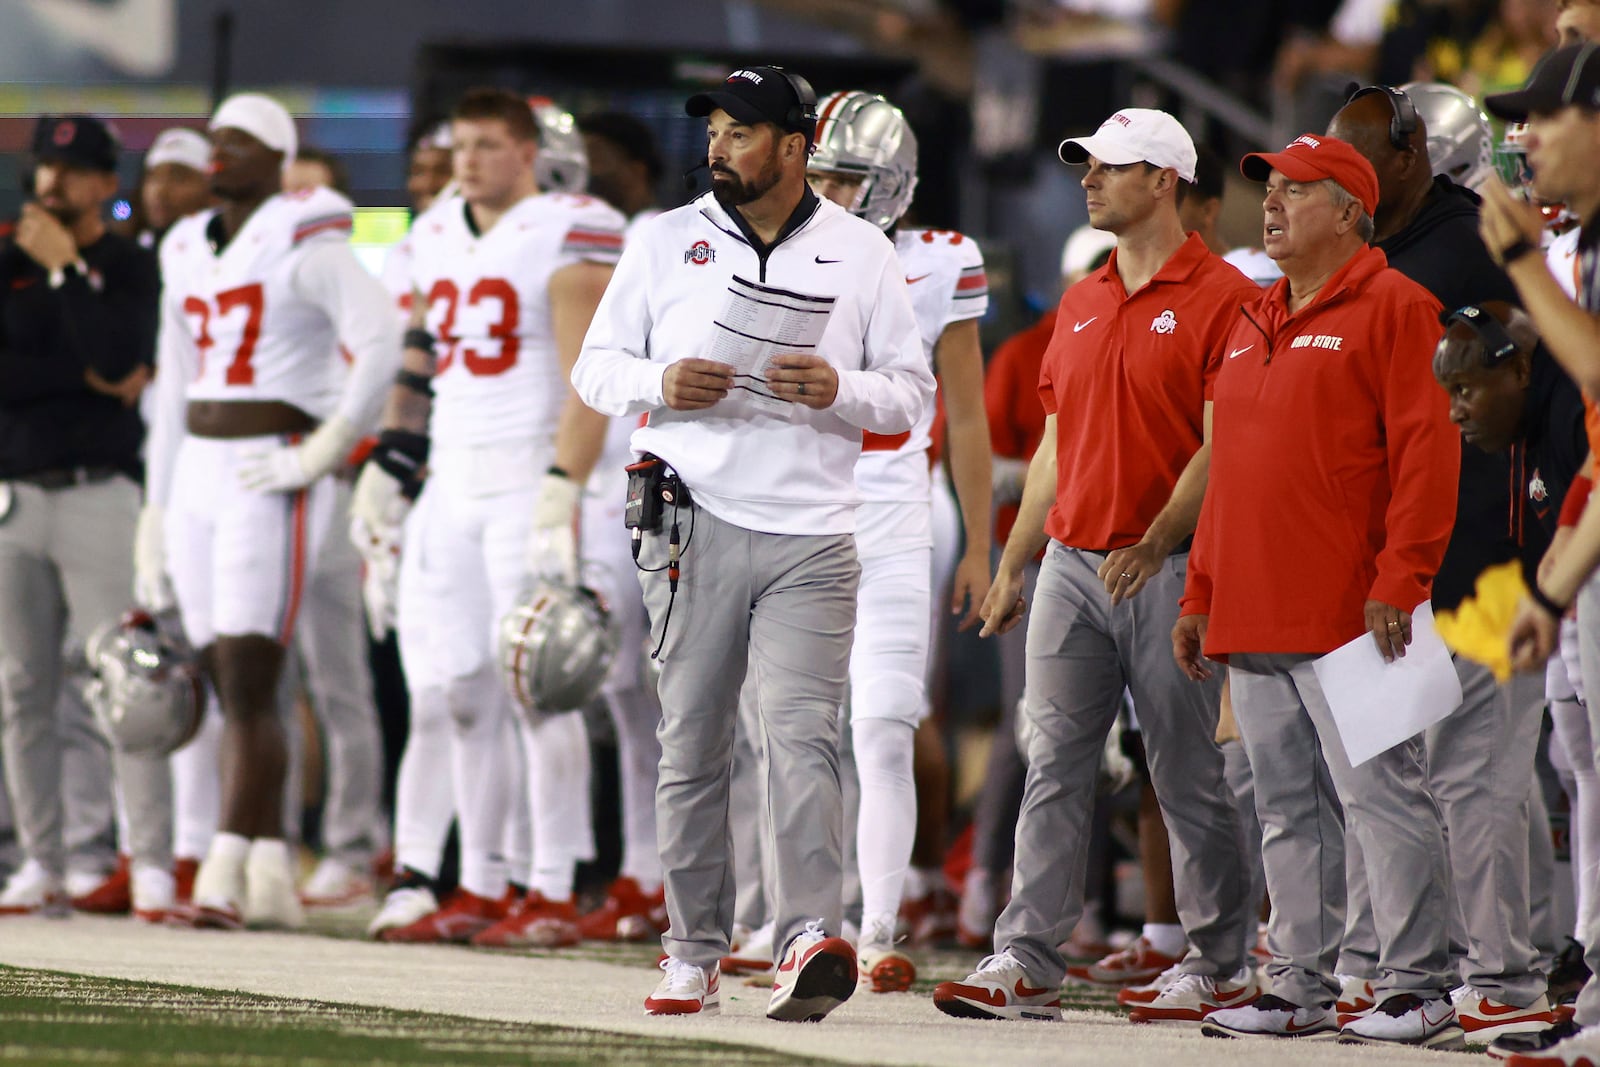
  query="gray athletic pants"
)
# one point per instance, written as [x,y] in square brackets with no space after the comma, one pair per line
[1287,729]
[66,566]
[1242,782]
[331,641]
[994,814]
[1081,653]
[1588,1006]
[784,605]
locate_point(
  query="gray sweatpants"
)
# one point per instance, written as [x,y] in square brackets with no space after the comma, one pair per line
[1480,763]
[1288,730]
[1082,652]
[66,566]
[784,605]
[331,641]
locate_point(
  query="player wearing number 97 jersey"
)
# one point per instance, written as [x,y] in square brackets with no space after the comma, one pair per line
[505,282]
[254,406]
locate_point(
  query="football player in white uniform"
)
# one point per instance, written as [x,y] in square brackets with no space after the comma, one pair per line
[254,408]
[866,161]
[506,282]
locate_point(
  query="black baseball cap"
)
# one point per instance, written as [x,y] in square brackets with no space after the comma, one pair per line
[1566,77]
[78,140]
[757,94]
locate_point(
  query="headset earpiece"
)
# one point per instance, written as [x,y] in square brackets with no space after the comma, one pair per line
[1490,331]
[802,115]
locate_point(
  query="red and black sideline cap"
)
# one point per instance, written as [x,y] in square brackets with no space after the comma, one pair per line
[77,140]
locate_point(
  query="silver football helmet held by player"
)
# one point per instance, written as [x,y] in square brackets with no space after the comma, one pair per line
[146,691]
[556,647]
[562,165]
[1460,139]
[864,135]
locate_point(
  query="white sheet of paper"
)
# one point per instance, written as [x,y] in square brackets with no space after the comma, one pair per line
[1377,705]
[759,322]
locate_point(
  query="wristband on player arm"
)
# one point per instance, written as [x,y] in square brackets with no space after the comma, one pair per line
[403,455]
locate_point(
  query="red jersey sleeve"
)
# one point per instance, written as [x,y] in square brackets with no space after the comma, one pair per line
[1000,388]
[1424,461]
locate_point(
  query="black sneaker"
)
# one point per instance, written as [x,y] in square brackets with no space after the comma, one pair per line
[1568,973]
[1503,1048]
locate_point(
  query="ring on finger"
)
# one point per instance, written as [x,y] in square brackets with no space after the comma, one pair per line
[1125,574]
[1394,625]
[800,388]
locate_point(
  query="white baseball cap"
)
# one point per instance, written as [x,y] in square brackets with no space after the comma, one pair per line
[1135,135]
[182,146]
[1082,248]
[262,118]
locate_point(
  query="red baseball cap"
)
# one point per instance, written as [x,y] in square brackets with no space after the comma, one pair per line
[1313,157]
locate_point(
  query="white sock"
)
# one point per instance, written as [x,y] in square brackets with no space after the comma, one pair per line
[887,824]
[1166,938]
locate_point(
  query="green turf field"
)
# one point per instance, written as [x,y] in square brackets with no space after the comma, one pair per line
[49,1018]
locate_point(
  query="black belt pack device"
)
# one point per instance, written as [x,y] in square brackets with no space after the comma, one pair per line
[652,485]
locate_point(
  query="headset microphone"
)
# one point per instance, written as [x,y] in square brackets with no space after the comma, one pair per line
[689,182]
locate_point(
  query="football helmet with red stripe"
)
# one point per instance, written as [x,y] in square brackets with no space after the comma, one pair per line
[863,135]
[146,690]
[556,647]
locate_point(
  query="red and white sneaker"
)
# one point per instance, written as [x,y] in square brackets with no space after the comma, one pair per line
[1407,1019]
[998,989]
[1189,998]
[32,890]
[1137,963]
[152,894]
[1356,1000]
[930,918]
[336,884]
[402,906]
[462,917]
[884,968]
[685,990]
[184,870]
[219,892]
[753,954]
[818,973]
[1484,1019]
[112,896]
[534,922]
[1579,1049]
[628,914]
[1133,995]
[1270,1016]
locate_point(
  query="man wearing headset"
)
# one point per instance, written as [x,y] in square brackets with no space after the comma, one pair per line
[756,479]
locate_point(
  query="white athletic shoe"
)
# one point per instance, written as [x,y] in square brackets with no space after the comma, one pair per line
[1189,998]
[81,883]
[335,884]
[1407,1019]
[154,892]
[1272,1016]
[753,955]
[685,989]
[1356,999]
[34,891]
[402,907]
[219,892]
[883,967]
[1484,1019]
[998,989]
[270,901]
[1134,995]
[818,973]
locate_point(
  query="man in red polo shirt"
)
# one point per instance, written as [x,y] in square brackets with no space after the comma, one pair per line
[1114,490]
[1331,497]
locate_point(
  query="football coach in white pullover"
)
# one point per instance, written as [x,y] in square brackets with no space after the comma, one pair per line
[768,569]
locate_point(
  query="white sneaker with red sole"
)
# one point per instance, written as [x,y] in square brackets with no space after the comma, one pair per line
[753,953]
[1189,998]
[998,989]
[884,968]
[1356,999]
[1139,962]
[818,973]
[1407,1019]
[153,894]
[685,990]
[34,891]
[1483,1019]
[1134,995]
[336,884]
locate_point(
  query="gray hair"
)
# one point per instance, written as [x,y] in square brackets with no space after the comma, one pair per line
[1341,197]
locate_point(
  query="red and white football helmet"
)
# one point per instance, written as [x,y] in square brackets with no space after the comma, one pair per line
[146,691]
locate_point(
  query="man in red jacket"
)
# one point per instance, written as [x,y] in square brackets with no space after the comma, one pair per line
[1331,497]
[1113,489]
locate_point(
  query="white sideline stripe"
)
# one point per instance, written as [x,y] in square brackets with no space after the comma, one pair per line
[892,1028]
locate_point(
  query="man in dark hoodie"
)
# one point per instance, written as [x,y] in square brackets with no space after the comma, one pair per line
[1480,758]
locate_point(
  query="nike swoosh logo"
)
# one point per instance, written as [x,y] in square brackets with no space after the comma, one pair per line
[918,278]
[1026,991]
[1294,1029]
[1232,995]
[819,259]
[1077,326]
[1491,1009]
[787,964]
[1237,352]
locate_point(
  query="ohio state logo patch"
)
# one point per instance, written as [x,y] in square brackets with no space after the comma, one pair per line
[700,253]
[1165,322]
[1538,492]
[64,132]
